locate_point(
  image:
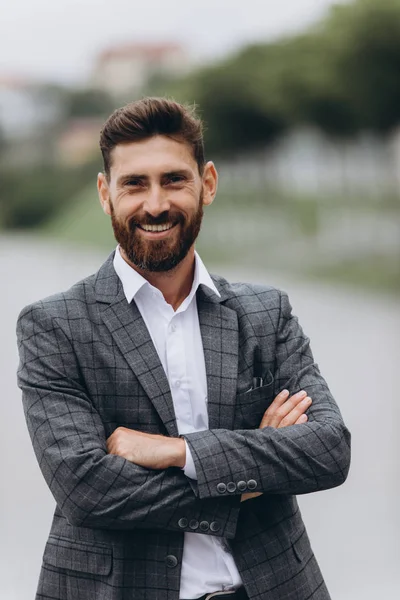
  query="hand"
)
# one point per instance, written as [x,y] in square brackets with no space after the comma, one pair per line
[285,411]
[148,450]
[282,412]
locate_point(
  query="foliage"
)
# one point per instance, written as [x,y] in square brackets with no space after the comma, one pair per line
[367,35]
[341,76]
[88,103]
[28,198]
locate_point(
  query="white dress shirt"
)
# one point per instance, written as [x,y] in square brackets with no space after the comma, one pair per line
[206,565]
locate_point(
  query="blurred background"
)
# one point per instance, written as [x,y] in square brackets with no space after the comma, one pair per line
[301,102]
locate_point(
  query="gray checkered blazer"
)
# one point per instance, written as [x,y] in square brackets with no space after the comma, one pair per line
[88,366]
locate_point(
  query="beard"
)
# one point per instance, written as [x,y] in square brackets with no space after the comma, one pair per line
[157,255]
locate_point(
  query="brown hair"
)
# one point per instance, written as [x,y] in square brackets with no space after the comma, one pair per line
[149,117]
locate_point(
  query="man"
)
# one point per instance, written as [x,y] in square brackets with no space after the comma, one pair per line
[168,409]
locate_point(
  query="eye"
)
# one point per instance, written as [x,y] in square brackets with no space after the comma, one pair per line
[175,179]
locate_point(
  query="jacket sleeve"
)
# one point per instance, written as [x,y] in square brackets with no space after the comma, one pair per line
[298,459]
[91,487]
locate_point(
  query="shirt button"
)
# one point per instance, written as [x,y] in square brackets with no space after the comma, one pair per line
[177,383]
[252,484]
[172,327]
[221,488]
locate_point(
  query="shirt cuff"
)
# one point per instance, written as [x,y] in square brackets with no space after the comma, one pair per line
[189,469]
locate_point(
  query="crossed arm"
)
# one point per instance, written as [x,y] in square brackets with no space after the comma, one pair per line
[311,455]
[92,487]
[131,479]
[160,452]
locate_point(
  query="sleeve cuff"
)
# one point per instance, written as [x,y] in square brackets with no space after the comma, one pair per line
[189,469]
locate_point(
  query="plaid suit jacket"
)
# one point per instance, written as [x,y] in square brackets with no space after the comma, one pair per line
[88,366]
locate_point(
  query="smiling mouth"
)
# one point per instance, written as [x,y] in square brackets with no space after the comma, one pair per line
[156,228]
[156,231]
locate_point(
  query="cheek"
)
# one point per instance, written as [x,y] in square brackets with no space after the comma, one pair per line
[126,205]
[188,199]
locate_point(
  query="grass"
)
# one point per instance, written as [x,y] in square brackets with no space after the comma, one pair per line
[83,222]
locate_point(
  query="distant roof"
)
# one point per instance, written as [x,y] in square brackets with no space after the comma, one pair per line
[13,81]
[150,51]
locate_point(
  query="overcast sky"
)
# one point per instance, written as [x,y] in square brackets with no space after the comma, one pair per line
[59,39]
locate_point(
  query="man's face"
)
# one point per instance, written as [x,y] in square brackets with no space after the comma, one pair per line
[155,198]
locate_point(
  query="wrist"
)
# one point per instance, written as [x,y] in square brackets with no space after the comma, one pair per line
[178,456]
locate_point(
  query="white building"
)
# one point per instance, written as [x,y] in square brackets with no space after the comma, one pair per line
[126,69]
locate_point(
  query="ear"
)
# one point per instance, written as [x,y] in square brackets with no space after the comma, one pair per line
[210,183]
[104,193]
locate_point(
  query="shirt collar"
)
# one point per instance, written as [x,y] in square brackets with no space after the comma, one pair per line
[132,281]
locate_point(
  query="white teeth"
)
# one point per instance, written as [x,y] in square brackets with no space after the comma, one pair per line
[156,227]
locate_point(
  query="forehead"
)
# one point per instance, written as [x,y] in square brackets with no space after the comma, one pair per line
[151,156]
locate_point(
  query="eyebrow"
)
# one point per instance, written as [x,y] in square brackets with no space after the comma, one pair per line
[124,179]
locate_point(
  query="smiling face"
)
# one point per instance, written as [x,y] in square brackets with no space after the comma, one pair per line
[155,197]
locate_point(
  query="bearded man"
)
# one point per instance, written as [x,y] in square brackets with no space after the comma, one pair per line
[175,416]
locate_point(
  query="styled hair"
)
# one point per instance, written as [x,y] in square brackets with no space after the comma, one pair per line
[148,117]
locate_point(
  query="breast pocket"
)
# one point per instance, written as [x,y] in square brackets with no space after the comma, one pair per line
[251,405]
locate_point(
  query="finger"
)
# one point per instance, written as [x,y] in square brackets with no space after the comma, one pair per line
[296,413]
[269,416]
[301,419]
[291,403]
[275,414]
[279,399]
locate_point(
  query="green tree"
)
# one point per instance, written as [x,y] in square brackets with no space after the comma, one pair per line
[88,103]
[366,36]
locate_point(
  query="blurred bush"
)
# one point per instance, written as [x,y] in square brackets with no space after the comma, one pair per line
[342,76]
[87,103]
[30,197]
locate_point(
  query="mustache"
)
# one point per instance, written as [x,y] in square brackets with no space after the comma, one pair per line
[161,219]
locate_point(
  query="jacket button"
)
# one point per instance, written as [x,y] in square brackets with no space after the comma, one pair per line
[183,522]
[252,484]
[194,524]
[221,488]
[215,526]
[242,486]
[204,525]
[171,561]
[231,487]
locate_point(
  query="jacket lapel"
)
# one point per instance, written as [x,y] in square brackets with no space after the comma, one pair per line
[131,335]
[219,332]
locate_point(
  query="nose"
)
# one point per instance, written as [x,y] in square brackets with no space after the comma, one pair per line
[156,201]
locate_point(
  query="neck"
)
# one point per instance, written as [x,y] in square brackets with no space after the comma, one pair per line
[175,285]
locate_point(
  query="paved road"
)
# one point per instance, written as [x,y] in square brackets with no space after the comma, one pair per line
[354,529]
